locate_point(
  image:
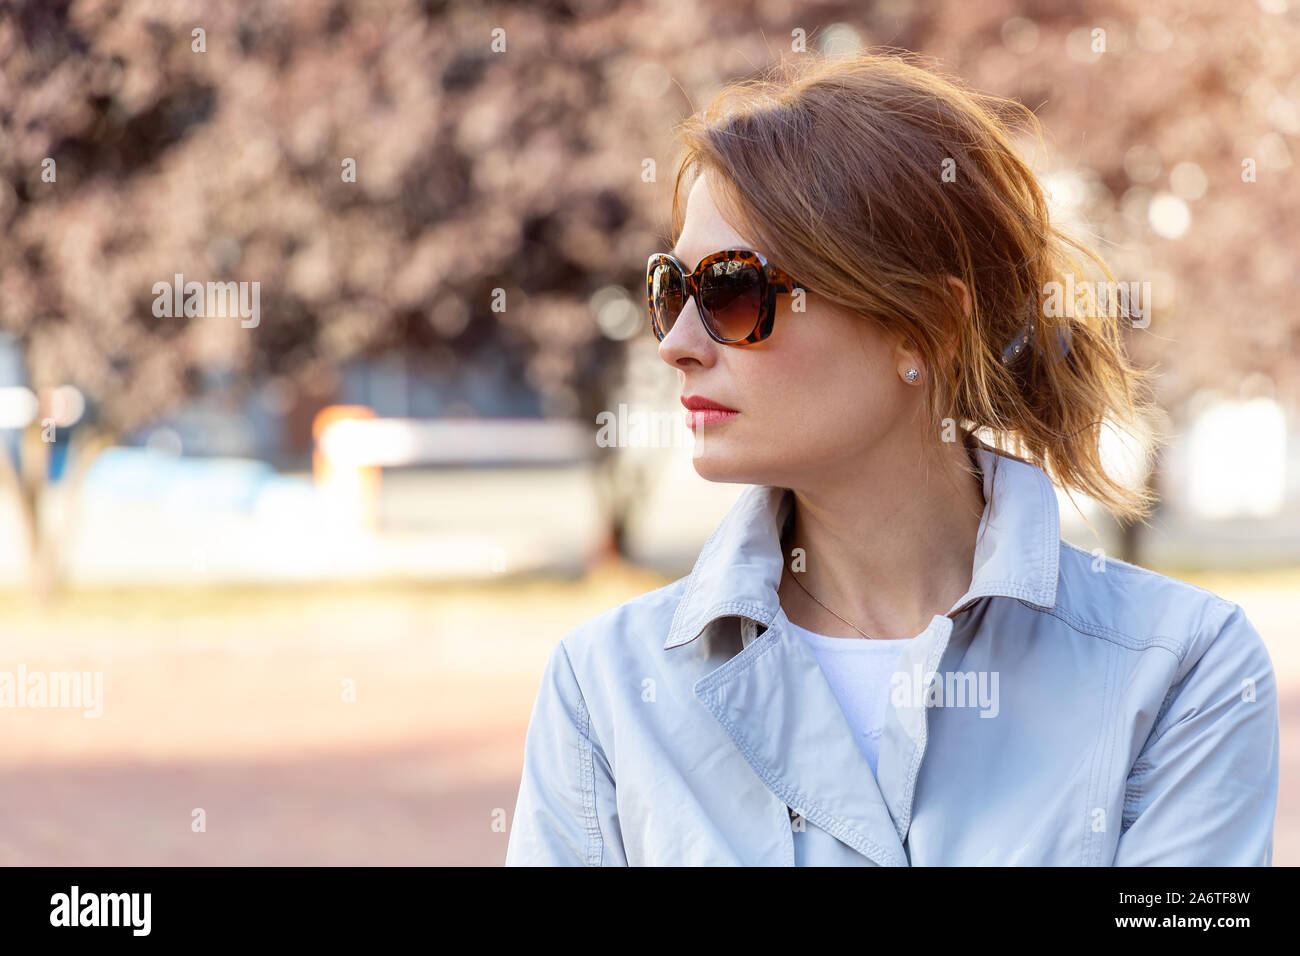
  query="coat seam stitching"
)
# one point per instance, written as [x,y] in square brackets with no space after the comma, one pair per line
[587,773]
[1092,771]
[918,753]
[1101,756]
[1109,634]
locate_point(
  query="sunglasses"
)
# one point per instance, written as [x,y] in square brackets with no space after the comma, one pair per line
[734,292]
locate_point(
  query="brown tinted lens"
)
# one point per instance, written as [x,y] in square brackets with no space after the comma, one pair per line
[668,297]
[731,295]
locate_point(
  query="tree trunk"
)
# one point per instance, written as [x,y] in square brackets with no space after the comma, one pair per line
[1133,533]
[28,485]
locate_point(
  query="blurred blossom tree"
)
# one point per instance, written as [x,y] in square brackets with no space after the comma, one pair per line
[387,179]
[390,172]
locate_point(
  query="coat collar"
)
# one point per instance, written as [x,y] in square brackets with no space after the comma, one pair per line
[1017,549]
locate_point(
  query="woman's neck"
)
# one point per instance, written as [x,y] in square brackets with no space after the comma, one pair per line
[886,550]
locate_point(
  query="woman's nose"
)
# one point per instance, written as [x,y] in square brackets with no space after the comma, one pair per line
[687,341]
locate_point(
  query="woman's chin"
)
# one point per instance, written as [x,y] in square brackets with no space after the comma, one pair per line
[723,469]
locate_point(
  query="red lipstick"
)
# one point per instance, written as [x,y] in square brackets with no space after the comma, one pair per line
[701,411]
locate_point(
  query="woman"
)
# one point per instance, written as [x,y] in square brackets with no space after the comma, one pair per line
[885,653]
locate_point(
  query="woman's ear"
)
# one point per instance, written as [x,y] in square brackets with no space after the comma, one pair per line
[962,291]
[907,351]
[907,356]
[954,329]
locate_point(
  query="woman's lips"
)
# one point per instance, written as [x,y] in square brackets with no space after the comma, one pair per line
[701,411]
[699,417]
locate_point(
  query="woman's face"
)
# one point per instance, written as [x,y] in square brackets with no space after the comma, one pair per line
[814,399]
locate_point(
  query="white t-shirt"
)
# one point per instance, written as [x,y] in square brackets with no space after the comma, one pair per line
[859,672]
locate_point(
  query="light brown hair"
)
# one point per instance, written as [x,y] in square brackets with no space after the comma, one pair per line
[835,169]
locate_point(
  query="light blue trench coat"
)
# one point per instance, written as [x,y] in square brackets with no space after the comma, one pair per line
[1070,709]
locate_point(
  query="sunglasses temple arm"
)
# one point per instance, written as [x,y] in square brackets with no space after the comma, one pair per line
[781,282]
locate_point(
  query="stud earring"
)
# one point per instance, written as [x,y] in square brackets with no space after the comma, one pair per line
[911,375]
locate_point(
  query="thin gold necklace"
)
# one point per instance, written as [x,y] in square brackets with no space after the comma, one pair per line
[794,577]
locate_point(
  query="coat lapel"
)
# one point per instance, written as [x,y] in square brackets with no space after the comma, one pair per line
[774,702]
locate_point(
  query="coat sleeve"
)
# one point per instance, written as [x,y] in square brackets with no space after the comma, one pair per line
[1203,792]
[565,814]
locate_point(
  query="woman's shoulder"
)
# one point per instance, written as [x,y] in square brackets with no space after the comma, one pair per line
[1141,608]
[628,630]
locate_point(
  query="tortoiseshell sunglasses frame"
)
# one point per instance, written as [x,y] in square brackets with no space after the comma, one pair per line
[771,281]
